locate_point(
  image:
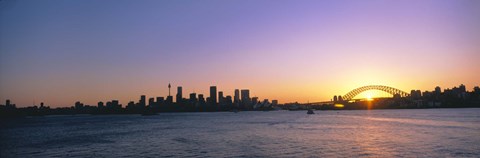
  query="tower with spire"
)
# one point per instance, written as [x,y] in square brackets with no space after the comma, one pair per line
[169,86]
[169,99]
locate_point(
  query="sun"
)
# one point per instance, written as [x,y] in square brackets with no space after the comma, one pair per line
[369,97]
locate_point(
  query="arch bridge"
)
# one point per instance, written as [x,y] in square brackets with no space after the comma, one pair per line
[394,91]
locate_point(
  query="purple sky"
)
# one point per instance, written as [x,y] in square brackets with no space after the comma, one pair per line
[61,51]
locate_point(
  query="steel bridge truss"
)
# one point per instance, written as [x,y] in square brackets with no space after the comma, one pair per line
[350,95]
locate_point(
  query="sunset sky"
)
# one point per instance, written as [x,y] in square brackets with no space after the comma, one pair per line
[62,51]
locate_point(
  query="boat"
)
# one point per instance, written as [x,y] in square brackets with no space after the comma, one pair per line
[310,111]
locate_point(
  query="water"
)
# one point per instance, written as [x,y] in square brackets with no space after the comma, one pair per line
[361,133]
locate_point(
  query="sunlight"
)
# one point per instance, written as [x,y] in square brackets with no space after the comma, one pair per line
[372,94]
[369,97]
[339,105]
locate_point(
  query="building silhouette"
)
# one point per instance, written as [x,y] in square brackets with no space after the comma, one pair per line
[415,93]
[100,104]
[131,106]
[449,98]
[228,101]
[245,95]
[438,90]
[116,104]
[201,102]
[201,98]
[169,100]
[220,98]
[246,102]
[213,96]
[236,96]
[160,101]
[274,102]
[254,100]
[179,95]
[151,102]
[169,86]
[142,101]
[193,97]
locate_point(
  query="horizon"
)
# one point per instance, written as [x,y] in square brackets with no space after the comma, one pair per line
[60,52]
[368,94]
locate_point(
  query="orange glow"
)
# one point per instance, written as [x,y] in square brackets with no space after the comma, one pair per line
[339,105]
[369,98]
[369,104]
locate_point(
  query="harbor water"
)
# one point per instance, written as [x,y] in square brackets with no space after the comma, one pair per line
[347,133]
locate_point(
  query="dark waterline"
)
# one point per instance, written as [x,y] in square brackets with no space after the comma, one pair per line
[355,133]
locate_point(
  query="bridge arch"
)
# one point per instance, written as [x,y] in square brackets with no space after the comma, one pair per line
[350,95]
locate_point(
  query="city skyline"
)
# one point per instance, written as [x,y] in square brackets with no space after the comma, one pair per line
[59,52]
[452,97]
[241,97]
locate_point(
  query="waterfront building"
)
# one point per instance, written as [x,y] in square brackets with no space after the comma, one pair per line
[220,98]
[142,101]
[274,102]
[151,102]
[245,95]
[179,94]
[236,96]
[100,104]
[213,96]
[438,90]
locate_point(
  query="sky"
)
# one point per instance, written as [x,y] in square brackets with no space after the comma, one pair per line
[62,51]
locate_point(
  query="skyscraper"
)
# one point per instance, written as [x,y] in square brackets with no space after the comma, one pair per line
[228,101]
[213,95]
[254,100]
[151,102]
[245,95]
[193,97]
[179,94]
[236,97]
[220,97]
[201,101]
[142,101]
[200,98]
[246,102]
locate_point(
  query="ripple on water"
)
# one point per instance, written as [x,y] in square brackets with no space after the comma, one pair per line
[376,133]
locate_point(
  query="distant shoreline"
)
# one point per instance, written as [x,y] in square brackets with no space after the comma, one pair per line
[173,112]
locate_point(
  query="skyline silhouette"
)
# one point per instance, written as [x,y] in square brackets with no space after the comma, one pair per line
[217,101]
[456,97]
